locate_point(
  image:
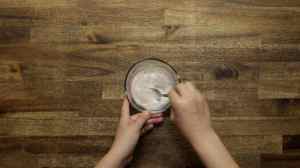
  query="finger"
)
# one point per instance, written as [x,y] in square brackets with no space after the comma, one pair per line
[181,88]
[173,95]
[194,90]
[135,116]
[142,118]
[190,86]
[129,159]
[147,128]
[155,120]
[172,115]
[156,115]
[125,109]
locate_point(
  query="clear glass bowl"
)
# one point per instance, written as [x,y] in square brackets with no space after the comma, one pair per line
[146,84]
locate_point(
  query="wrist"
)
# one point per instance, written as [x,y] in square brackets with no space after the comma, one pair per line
[112,159]
[118,157]
[200,138]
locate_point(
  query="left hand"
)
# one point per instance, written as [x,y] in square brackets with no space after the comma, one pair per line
[129,131]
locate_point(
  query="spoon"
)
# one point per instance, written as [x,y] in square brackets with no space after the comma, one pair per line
[159,92]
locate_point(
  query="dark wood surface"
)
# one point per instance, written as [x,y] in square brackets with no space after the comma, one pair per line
[63,62]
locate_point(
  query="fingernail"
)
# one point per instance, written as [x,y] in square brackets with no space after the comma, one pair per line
[150,126]
[161,119]
[158,120]
[147,113]
[157,115]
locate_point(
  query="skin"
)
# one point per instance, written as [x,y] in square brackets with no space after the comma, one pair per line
[130,129]
[190,113]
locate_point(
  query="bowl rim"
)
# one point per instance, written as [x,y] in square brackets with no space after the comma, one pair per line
[131,68]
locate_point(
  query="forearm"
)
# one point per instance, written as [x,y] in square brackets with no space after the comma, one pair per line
[212,151]
[110,160]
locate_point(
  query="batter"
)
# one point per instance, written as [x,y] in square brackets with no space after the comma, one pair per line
[142,88]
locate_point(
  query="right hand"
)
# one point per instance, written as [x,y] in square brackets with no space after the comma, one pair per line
[190,111]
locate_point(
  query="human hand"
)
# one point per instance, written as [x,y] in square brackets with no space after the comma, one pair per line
[191,115]
[127,135]
[190,111]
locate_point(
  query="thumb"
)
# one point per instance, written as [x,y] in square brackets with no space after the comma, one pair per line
[142,118]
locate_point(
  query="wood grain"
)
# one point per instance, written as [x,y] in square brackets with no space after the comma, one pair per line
[63,64]
[286,160]
[279,89]
[65,150]
[107,126]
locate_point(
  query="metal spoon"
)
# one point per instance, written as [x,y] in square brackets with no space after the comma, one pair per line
[159,92]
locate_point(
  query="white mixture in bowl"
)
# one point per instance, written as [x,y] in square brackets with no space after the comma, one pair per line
[142,88]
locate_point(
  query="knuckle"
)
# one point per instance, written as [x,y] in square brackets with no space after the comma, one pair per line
[172,118]
[201,98]
[183,101]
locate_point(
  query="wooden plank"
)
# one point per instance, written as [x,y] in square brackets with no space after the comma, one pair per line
[101,15]
[49,96]
[63,72]
[68,160]
[253,26]
[248,107]
[98,107]
[17,160]
[217,70]
[147,26]
[50,107]
[89,5]
[218,108]
[248,160]
[114,3]
[48,160]
[263,125]
[100,144]
[49,64]
[181,52]
[46,150]
[37,3]
[40,114]
[89,161]
[102,34]
[18,17]
[52,16]
[277,39]
[151,4]
[14,35]
[278,161]
[124,55]
[10,71]
[253,144]
[287,71]
[279,89]
[58,127]
[194,3]
[56,145]
[240,17]
[31,105]
[40,89]
[106,126]
[291,144]
[154,4]
[265,3]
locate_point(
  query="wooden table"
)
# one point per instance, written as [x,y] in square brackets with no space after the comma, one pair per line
[62,66]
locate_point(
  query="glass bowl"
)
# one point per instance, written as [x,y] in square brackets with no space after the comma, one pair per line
[147,84]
